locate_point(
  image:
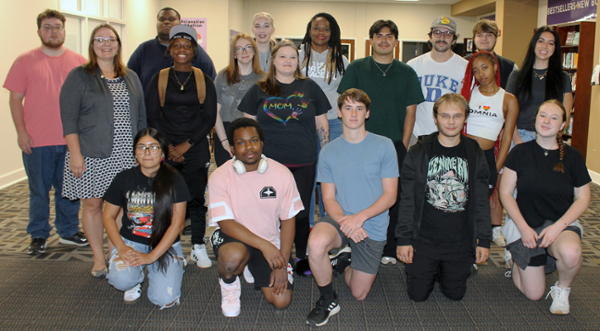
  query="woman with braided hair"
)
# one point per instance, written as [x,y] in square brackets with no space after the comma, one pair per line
[553,191]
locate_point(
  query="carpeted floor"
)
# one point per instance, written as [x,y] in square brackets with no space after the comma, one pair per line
[54,291]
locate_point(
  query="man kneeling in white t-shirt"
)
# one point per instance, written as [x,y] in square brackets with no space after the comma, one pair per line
[251,198]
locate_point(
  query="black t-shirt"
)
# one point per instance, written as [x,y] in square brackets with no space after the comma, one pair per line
[288,120]
[528,107]
[444,224]
[133,192]
[182,116]
[544,194]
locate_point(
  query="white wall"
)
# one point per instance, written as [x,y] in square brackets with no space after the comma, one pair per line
[140,16]
[355,19]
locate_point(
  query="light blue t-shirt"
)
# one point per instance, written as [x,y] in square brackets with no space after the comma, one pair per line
[357,170]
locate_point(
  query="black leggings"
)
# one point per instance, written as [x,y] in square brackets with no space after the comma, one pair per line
[490,157]
[304,177]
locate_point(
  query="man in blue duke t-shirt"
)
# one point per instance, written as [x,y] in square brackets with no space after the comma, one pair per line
[149,58]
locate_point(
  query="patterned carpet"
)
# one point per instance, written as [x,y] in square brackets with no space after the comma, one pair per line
[54,291]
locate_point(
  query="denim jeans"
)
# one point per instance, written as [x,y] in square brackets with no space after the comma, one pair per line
[335,130]
[527,135]
[44,168]
[163,288]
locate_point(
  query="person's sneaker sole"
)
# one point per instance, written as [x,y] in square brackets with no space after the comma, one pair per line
[72,243]
[331,313]
[559,312]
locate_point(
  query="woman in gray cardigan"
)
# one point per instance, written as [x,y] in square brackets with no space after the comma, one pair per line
[102,108]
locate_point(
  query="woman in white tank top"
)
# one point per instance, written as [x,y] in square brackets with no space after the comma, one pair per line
[492,108]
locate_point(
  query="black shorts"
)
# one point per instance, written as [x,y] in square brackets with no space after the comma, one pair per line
[257,264]
[542,260]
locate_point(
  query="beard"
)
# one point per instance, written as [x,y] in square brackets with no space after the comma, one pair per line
[53,44]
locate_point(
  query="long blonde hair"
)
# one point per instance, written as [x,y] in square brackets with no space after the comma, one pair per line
[233,70]
[269,84]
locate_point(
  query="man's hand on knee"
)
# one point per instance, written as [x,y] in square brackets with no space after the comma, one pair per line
[405,253]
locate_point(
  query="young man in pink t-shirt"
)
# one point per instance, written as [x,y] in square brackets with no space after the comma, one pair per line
[34,82]
[254,201]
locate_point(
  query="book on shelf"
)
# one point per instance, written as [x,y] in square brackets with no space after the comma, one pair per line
[576,39]
[569,60]
[570,38]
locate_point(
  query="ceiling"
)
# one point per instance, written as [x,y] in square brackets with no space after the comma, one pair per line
[419,2]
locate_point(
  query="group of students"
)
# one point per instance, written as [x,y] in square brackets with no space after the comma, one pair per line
[275,108]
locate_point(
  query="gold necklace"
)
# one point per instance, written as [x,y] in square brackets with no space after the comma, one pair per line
[178,82]
[542,76]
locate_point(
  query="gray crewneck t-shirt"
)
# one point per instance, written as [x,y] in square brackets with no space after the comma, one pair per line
[317,71]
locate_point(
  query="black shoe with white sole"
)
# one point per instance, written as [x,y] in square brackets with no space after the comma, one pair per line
[324,309]
[37,246]
[78,239]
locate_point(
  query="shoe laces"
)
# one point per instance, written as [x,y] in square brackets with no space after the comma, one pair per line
[229,294]
[559,294]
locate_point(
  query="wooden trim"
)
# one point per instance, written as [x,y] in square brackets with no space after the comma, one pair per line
[352,51]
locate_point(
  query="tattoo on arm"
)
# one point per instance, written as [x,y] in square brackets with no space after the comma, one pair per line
[323,136]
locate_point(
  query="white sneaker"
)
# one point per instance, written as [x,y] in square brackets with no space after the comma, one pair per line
[508,259]
[230,297]
[560,299]
[388,259]
[132,295]
[200,256]
[248,275]
[497,236]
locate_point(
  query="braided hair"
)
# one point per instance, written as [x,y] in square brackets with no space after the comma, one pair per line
[335,62]
[559,167]
[468,82]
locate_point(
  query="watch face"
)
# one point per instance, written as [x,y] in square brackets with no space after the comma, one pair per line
[191,142]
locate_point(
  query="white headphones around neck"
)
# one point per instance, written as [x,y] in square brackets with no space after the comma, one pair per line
[240,169]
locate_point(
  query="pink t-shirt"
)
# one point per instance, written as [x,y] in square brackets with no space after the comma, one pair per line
[39,77]
[257,201]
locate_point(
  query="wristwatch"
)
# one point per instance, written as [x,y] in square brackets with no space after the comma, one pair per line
[191,142]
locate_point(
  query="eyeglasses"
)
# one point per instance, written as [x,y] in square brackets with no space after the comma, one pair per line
[248,48]
[57,28]
[446,34]
[101,40]
[170,19]
[455,116]
[141,149]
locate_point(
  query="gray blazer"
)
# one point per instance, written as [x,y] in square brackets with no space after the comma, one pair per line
[86,108]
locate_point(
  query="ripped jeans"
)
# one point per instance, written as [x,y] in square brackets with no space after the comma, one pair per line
[163,288]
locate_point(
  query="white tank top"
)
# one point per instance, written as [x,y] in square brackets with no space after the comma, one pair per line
[486,117]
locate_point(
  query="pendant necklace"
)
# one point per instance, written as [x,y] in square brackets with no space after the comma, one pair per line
[178,82]
[542,76]
[386,70]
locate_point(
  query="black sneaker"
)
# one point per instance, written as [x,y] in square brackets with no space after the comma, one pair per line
[78,239]
[324,309]
[37,246]
[343,261]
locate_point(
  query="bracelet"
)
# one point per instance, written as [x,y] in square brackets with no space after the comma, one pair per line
[223,140]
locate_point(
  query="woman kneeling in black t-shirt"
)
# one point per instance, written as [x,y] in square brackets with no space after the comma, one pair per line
[153,196]
[553,185]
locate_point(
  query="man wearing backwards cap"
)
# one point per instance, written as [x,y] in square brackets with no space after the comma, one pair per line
[440,71]
[149,58]
[185,121]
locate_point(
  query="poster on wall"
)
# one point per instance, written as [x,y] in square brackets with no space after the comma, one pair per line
[564,11]
[199,24]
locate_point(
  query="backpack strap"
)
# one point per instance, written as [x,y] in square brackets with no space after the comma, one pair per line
[163,79]
[200,84]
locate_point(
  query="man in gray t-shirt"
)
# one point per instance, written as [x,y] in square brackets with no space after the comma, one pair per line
[359,180]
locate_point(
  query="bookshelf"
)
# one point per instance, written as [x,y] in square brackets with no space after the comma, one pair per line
[577,48]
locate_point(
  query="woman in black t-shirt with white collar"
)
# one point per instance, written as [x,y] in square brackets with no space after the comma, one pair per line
[554,191]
